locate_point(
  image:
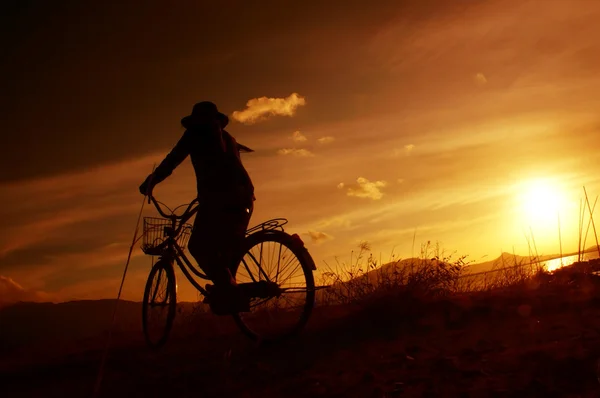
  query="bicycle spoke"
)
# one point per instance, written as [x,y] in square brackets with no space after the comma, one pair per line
[157,286]
[260,302]
[248,270]
[277,259]
[159,305]
[261,259]
[278,263]
[288,262]
[259,266]
[271,261]
[292,272]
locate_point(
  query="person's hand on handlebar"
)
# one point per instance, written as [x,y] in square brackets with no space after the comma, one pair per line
[147,187]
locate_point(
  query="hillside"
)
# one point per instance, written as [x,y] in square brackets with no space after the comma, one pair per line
[531,340]
[29,328]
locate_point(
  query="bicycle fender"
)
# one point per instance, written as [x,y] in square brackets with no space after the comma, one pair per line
[296,238]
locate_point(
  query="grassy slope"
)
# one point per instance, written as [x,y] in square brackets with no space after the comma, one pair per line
[537,338]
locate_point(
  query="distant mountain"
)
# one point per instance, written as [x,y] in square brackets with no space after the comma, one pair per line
[504,260]
[394,269]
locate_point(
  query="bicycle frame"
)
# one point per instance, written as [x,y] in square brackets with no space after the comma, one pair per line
[172,237]
[172,250]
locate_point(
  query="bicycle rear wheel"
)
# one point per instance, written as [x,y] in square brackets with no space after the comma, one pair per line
[159,306]
[282,260]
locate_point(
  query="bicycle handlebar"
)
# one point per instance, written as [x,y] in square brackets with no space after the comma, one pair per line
[171,216]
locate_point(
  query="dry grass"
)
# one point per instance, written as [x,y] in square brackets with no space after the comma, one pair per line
[435,273]
[410,327]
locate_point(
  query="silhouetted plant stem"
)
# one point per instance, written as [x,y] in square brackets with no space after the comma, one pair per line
[592,218]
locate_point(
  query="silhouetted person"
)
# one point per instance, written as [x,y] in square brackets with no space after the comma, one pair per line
[225,193]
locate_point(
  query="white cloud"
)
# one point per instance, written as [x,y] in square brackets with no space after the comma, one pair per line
[297,136]
[366,189]
[258,109]
[302,153]
[325,140]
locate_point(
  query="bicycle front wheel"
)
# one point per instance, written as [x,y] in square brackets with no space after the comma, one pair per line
[276,260]
[159,306]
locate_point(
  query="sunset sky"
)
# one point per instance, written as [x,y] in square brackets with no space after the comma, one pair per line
[466,121]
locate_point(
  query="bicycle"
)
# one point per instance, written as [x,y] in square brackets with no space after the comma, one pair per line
[167,238]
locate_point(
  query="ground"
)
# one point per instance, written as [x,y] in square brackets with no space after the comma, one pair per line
[532,340]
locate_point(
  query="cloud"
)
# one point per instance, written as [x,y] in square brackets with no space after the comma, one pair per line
[84,223]
[12,292]
[66,202]
[480,79]
[325,140]
[35,231]
[302,153]
[408,148]
[340,185]
[297,136]
[366,189]
[319,237]
[400,180]
[259,109]
[334,222]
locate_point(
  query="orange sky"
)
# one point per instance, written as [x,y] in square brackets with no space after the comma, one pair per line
[431,116]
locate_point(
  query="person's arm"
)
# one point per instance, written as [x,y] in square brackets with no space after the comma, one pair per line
[180,151]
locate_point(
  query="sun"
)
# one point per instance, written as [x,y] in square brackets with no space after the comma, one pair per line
[541,201]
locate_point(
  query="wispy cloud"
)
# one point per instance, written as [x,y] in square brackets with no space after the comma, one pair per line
[480,79]
[406,150]
[83,224]
[366,189]
[69,200]
[334,222]
[27,234]
[297,136]
[326,140]
[12,292]
[302,153]
[259,109]
[319,237]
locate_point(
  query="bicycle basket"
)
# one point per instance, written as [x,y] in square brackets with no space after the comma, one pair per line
[157,231]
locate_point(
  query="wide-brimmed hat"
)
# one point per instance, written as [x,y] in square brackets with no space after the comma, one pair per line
[201,111]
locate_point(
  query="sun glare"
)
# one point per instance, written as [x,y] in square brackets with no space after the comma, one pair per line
[541,200]
[546,212]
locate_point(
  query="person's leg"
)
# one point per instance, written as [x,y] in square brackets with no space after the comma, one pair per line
[237,225]
[216,240]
